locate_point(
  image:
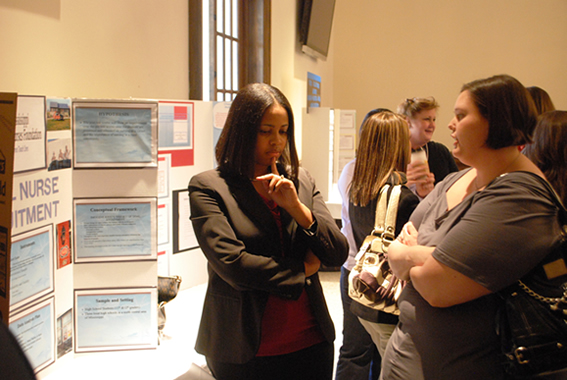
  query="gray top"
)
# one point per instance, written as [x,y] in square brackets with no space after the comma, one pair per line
[494,237]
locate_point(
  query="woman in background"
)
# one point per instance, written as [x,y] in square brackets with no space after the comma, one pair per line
[549,150]
[382,156]
[265,229]
[462,243]
[542,102]
[358,356]
[541,99]
[433,161]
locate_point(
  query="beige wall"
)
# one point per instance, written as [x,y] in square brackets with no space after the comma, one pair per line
[95,48]
[385,51]
[290,65]
[381,51]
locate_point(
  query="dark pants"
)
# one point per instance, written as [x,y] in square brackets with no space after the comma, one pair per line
[312,363]
[358,357]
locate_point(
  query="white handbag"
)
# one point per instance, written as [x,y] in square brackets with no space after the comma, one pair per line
[371,281]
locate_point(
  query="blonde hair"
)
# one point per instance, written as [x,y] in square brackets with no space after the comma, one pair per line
[411,107]
[383,149]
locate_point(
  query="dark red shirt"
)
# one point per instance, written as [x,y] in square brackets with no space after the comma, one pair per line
[287,325]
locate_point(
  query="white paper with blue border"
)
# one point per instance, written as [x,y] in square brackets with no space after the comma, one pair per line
[34,329]
[115,229]
[115,319]
[115,134]
[31,266]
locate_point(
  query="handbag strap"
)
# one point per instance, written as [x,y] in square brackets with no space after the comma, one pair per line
[381,209]
[386,213]
[553,302]
[391,214]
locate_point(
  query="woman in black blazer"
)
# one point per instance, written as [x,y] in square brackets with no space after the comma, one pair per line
[265,230]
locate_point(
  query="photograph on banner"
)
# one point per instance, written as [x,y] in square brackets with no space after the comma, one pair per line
[58,114]
[115,229]
[31,266]
[115,319]
[65,333]
[34,330]
[64,256]
[176,131]
[114,134]
[30,139]
[184,237]
[58,154]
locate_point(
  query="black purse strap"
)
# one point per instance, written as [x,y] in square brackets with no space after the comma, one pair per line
[537,281]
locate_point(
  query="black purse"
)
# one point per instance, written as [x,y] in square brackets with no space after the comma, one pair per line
[532,321]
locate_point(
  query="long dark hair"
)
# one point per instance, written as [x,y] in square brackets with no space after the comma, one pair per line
[236,146]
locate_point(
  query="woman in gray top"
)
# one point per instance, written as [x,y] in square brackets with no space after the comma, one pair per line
[479,231]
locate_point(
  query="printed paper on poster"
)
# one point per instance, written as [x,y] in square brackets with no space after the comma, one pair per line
[115,319]
[29,148]
[31,264]
[34,329]
[108,135]
[115,229]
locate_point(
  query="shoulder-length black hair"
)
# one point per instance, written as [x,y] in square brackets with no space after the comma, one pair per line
[508,107]
[236,145]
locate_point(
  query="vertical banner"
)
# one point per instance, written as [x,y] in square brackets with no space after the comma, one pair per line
[8,107]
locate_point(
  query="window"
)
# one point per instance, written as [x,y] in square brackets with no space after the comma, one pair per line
[229,46]
[227,43]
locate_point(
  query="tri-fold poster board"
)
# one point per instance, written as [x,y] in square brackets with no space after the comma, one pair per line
[86,191]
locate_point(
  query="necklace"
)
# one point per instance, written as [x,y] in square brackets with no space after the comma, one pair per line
[505,170]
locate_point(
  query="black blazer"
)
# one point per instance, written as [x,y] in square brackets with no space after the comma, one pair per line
[239,236]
